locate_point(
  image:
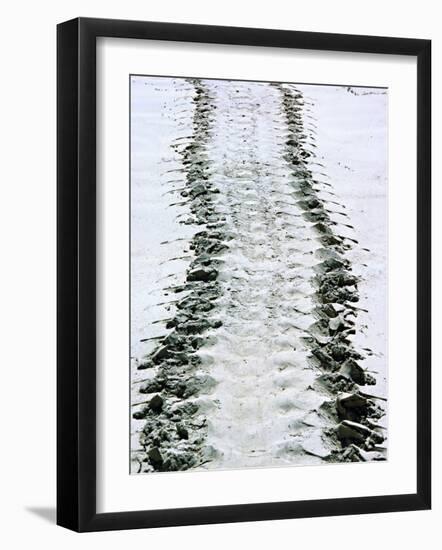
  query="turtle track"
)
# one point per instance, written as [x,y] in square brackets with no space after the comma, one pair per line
[258,367]
[174,429]
[356,412]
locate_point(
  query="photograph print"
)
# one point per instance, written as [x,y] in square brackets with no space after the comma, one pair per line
[258,274]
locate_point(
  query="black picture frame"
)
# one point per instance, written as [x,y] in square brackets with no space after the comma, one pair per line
[76,274]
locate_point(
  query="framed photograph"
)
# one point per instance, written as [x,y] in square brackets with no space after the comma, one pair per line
[243,274]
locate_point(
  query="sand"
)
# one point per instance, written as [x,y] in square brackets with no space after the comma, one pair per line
[258,274]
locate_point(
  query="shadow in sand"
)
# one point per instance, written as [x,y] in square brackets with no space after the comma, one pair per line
[46,513]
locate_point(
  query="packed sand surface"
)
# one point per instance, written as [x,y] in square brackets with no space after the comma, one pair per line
[258,274]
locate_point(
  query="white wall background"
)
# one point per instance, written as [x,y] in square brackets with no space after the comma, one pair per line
[27,277]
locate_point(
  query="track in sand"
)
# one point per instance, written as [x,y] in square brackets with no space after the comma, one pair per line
[252,361]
